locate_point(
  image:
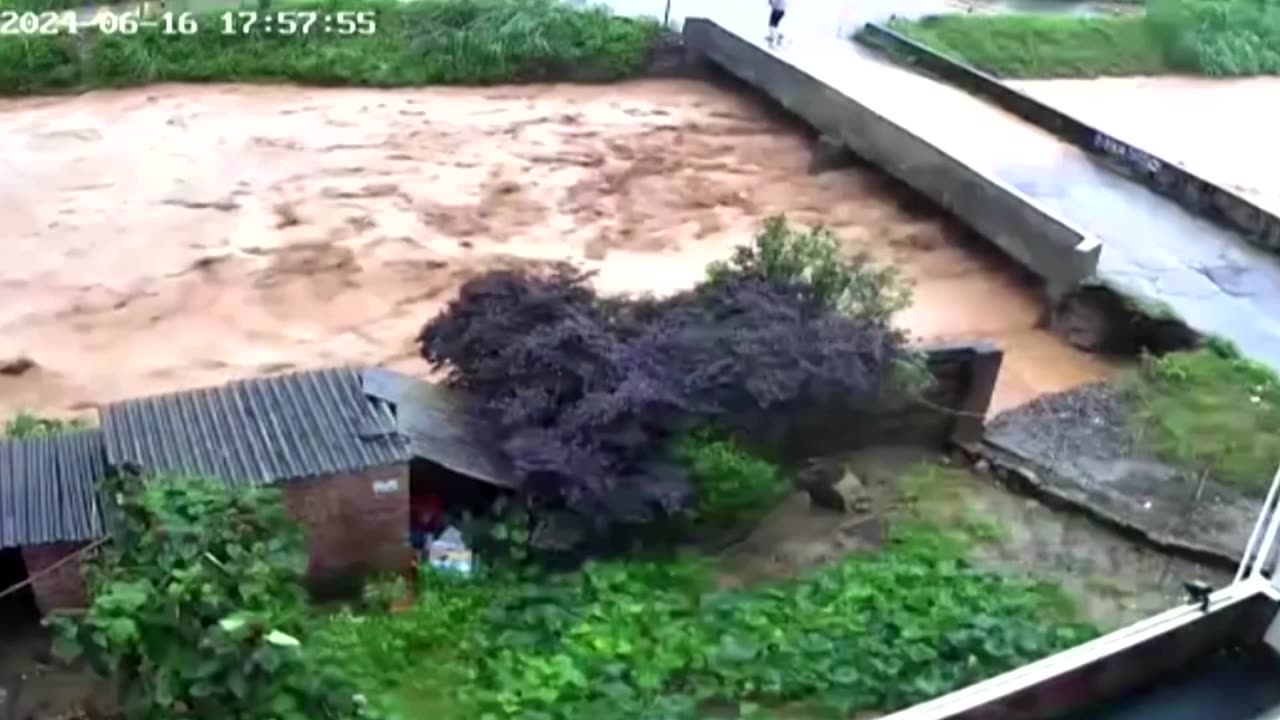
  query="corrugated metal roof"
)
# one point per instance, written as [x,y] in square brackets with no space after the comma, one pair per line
[256,432]
[48,488]
[435,420]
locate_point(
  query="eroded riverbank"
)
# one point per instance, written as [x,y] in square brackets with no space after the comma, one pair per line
[176,236]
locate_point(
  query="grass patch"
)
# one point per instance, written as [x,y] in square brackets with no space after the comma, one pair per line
[1040,46]
[26,425]
[1202,37]
[427,42]
[1210,409]
[659,641]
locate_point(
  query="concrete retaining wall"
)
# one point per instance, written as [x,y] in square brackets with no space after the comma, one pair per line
[1052,249]
[1191,191]
[951,412]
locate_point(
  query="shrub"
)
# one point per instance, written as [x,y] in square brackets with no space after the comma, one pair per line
[1217,37]
[584,394]
[730,484]
[810,261]
[197,607]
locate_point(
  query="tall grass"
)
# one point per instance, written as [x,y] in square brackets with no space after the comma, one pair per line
[1202,37]
[428,42]
[1219,37]
[1023,46]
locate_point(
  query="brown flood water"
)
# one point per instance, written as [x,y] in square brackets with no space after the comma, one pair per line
[1223,130]
[177,236]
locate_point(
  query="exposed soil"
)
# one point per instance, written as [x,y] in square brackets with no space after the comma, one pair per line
[1080,446]
[177,236]
[1113,580]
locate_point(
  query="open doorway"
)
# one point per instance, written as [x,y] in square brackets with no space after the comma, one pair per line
[16,608]
[439,497]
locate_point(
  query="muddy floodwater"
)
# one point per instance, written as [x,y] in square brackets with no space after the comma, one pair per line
[177,236]
[1223,130]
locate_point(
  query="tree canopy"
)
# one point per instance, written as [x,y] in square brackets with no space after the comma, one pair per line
[584,394]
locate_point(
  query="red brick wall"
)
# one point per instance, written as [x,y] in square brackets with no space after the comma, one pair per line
[352,529]
[64,587]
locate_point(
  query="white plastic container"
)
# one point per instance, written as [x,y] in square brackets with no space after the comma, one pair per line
[449,552]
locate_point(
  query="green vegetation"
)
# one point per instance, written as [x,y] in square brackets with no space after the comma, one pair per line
[427,42]
[1043,46]
[1210,409]
[198,608]
[732,486]
[810,258]
[1204,37]
[24,425]
[658,641]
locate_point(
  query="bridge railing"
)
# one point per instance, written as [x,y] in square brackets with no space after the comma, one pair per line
[1262,553]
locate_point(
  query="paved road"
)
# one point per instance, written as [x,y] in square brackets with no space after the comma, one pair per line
[1153,249]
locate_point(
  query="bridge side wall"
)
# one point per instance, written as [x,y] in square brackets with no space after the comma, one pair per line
[1057,252]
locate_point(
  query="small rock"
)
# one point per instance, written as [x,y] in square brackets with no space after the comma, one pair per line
[982,466]
[19,365]
[847,496]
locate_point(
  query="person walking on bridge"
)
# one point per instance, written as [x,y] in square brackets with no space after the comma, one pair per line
[777,9]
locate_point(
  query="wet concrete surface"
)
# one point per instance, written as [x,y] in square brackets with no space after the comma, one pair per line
[1156,251]
[1153,250]
[1078,448]
[1240,685]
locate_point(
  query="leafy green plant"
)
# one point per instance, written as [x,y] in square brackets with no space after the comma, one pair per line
[1210,409]
[25,425]
[197,608]
[731,485]
[381,593]
[812,259]
[659,641]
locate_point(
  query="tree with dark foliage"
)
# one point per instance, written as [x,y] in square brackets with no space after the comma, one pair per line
[584,394]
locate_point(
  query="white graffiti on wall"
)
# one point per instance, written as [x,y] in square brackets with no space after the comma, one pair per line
[1129,155]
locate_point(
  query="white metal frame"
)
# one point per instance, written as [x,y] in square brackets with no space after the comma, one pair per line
[1262,541]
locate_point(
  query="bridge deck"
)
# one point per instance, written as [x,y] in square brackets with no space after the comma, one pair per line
[1152,248]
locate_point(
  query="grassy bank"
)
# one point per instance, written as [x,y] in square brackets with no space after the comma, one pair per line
[1210,409]
[1202,37]
[428,42]
[1029,46]
[659,641]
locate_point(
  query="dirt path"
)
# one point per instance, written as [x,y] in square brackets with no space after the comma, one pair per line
[176,236]
[1113,580]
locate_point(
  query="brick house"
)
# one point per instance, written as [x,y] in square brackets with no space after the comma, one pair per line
[346,446]
[49,510]
[341,444]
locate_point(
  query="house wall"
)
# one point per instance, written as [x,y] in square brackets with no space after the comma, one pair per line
[356,524]
[61,589]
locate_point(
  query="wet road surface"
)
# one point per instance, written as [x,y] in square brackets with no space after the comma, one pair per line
[1153,249]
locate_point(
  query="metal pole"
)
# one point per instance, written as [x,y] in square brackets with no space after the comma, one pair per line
[666,16]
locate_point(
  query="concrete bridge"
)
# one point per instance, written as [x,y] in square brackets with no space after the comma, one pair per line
[1058,211]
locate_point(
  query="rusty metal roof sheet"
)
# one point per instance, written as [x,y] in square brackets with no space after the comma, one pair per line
[436,421]
[259,431]
[48,488]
